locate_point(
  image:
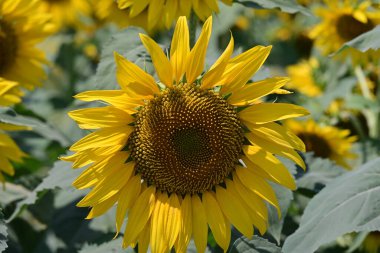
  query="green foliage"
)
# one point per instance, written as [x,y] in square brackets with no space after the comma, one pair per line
[289,6]
[365,42]
[350,203]
[128,44]
[113,246]
[3,233]
[60,176]
[254,245]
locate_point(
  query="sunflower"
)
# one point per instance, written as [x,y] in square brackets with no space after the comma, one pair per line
[9,151]
[157,14]
[10,93]
[108,11]
[343,21]
[302,77]
[371,243]
[325,141]
[179,155]
[20,30]
[67,12]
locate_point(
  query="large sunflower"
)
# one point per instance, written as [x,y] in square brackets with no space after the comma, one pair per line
[343,21]
[325,141]
[162,13]
[20,30]
[179,155]
[9,151]
[67,12]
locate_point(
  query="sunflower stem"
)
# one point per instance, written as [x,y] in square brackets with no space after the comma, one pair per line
[193,22]
[371,116]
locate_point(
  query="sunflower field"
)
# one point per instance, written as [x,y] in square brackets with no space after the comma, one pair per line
[190,126]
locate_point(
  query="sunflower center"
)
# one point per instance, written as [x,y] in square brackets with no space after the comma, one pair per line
[8,46]
[317,144]
[349,28]
[186,140]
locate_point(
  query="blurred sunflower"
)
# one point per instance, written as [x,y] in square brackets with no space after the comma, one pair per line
[108,11]
[343,21]
[20,30]
[371,243]
[179,155]
[10,93]
[302,77]
[162,13]
[67,12]
[325,141]
[9,151]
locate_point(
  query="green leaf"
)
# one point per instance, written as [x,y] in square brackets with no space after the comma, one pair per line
[3,233]
[255,245]
[114,246]
[42,128]
[350,203]
[359,102]
[60,176]
[289,6]
[11,193]
[128,44]
[321,172]
[285,197]
[364,42]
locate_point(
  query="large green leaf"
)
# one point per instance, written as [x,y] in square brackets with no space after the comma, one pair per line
[255,245]
[349,203]
[60,176]
[128,44]
[3,233]
[289,6]
[285,197]
[114,246]
[320,173]
[364,42]
[42,128]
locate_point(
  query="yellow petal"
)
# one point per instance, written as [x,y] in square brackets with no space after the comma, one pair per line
[107,187]
[133,80]
[251,92]
[277,134]
[94,118]
[269,166]
[185,232]
[180,48]
[160,61]
[117,98]
[196,60]
[139,215]
[144,239]
[200,228]
[128,196]
[102,207]
[212,77]
[242,67]
[275,148]
[234,211]
[138,7]
[173,223]
[264,113]
[103,138]
[255,218]
[258,185]
[216,220]
[158,241]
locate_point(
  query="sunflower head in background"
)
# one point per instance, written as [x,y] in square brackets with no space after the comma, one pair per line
[161,14]
[190,151]
[325,141]
[371,243]
[342,21]
[67,12]
[302,78]
[21,28]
